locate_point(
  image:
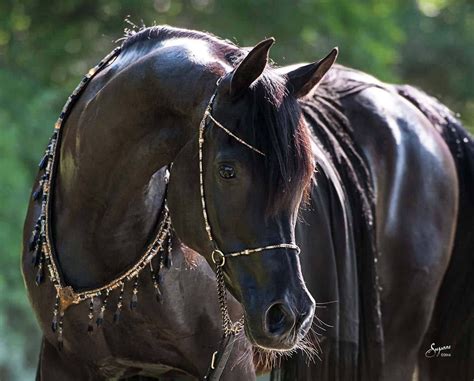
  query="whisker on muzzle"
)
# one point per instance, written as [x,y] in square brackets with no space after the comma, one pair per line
[309,345]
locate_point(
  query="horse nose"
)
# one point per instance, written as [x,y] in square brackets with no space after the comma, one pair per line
[279,320]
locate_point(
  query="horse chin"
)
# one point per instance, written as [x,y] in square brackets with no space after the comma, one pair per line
[271,344]
[267,357]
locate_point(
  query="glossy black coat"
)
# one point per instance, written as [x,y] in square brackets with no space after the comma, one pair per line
[142,113]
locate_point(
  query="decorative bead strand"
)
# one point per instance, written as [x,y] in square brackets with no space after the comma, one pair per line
[90,327]
[34,237]
[60,330]
[158,272]
[54,323]
[100,318]
[168,258]
[40,272]
[156,286]
[39,191]
[119,304]
[44,161]
[134,300]
[36,257]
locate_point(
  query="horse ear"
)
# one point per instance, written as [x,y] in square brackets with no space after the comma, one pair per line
[250,68]
[304,79]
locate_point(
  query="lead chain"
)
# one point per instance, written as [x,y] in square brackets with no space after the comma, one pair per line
[228,326]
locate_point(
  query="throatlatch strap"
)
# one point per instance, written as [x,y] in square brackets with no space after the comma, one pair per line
[220,358]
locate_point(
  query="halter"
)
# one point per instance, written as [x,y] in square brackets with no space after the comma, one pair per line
[220,357]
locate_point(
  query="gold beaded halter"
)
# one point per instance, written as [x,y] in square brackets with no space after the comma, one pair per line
[218,257]
[43,256]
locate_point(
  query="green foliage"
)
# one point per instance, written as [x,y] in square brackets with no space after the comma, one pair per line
[46,46]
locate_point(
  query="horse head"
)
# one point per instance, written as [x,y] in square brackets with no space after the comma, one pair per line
[236,188]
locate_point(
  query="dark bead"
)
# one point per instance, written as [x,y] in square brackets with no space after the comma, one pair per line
[36,257]
[33,242]
[134,302]
[44,161]
[54,324]
[60,343]
[90,328]
[167,261]
[37,193]
[39,276]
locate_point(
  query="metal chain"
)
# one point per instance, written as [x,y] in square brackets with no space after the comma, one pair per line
[228,326]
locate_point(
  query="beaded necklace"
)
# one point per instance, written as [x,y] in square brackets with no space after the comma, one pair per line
[41,243]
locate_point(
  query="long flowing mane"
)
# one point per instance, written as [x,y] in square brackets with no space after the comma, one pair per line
[333,131]
[273,120]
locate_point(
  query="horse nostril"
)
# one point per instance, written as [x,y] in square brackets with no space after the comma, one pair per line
[279,320]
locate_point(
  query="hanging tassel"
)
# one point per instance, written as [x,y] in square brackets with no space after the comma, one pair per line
[34,237]
[134,300]
[119,305]
[100,318]
[37,257]
[60,331]
[40,273]
[60,339]
[154,278]
[168,262]
[54,323]
[37,193]
[90,326]
[44,161]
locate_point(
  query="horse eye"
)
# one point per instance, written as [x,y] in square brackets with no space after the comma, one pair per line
[226,171]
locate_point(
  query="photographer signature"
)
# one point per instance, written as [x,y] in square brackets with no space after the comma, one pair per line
[434,351]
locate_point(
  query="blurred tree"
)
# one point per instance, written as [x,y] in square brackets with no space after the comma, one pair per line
[439,52]
[46,47]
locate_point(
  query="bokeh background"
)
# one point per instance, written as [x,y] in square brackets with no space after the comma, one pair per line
[47,45]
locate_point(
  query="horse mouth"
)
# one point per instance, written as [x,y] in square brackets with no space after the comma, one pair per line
[285,344]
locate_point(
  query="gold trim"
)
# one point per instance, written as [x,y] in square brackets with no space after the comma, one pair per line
[66,294]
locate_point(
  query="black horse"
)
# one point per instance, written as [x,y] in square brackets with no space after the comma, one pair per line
[385,217]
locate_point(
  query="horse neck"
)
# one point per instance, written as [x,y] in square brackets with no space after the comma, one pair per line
[109,189]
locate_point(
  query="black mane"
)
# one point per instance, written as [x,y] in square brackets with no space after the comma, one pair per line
[281,133]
